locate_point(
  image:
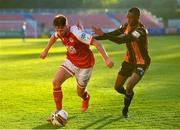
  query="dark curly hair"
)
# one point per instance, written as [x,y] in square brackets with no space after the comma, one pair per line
[135,11]
[60,20]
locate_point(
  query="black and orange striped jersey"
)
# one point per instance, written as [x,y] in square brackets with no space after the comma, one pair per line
[136,41]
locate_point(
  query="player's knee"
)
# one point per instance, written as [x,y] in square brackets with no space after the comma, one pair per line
[129,91]
[56,83]
[116,88]
[120,89]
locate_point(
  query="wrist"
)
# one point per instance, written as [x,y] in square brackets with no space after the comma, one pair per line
[46,50]
[106,58]
[102,34]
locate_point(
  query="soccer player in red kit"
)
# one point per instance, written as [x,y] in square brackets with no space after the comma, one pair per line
[79,61]
[137,60]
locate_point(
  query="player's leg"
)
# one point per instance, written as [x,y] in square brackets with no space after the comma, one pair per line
[120,80]
[83,77]
[66,70]
[133,80]
[83,93]
[60,77]
[124,73]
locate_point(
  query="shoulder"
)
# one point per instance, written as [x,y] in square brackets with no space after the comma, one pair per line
[142,29]
[74,29]
[123,26]
[81,35]
[140,32]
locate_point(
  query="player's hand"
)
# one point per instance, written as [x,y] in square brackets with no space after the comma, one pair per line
[109,63]
[97,31]
[79,25]
[43,55]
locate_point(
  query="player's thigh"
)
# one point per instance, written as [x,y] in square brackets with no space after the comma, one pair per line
[136,76]
[120,80]
[83,76]
[133,80]
[61,76]
[125,71]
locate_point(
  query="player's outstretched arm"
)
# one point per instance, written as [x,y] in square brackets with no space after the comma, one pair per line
[102,51]
[100,34]
[44,53]
[115,36]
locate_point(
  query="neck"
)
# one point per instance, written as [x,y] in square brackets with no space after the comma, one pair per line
[134,23]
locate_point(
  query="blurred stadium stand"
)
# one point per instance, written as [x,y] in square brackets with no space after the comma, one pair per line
[173,26]
[39,24]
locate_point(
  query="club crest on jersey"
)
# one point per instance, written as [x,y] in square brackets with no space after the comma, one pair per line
[71,50]
[71,39]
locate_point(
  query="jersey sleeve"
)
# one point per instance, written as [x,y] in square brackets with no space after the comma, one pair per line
[119,39]
[114,33]
[127,38]
[138,33]
[81,35]
[55,35]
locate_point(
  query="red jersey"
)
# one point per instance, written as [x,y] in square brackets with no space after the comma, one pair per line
[77,43]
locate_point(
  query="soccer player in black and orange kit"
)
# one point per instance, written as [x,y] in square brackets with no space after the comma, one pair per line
[137,60]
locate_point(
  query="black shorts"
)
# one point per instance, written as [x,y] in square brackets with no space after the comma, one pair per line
[127,69]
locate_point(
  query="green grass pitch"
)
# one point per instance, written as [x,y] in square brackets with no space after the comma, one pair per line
[26,88]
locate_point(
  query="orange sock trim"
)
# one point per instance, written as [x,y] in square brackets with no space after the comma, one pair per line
[58,96]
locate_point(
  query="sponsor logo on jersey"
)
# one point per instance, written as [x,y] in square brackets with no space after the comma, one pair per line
[83,35]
